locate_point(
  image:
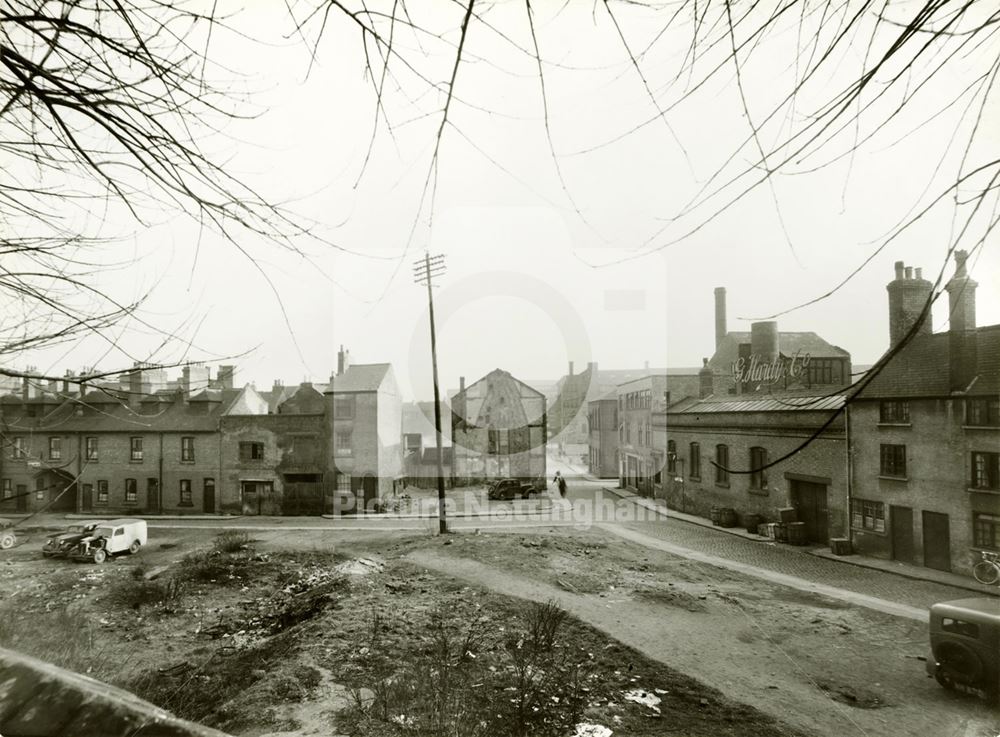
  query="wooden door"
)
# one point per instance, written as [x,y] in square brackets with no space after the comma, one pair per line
[153,495]
[208,497]
[809,500]
[901,524]
[371,492]
[88,497]
[937,541]
[22,498]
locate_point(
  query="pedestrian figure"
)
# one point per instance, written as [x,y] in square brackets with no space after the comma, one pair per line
[561,482]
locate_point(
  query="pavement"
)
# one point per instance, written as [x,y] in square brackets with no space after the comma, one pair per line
[915,573]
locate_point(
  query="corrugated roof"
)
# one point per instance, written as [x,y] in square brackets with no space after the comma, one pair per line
[360,377]
[770,403]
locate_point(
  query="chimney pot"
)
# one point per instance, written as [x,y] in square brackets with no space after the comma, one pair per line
[899,269]
[570,368]
[909,272]
[918,273]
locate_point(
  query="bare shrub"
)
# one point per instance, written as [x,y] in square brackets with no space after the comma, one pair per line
[231,541]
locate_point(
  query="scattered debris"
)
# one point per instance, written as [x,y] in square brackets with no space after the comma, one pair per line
[592,730]
[644,698]
[360,567]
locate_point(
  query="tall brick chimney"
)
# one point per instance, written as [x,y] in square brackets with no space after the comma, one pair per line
[962,345]
[720,315]
[570,368]
[908,294]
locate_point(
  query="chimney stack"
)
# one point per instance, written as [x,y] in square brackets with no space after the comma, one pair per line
[343,361]
[570,368]
[907,298]
[706,380]
[720,315]
[962,344]
[764,340]
[225,375]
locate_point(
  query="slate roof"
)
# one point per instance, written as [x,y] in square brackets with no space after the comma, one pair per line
[360,377]
[174,417]
[788,343]
[922,368]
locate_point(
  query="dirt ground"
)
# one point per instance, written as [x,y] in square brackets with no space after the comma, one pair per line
[279,637]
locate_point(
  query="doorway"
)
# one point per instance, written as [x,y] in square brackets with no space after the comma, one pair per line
[88,497]
[208,497]
[153,495]
[371,492]
[809,500]
[937,541]
[22,498]
[901,523]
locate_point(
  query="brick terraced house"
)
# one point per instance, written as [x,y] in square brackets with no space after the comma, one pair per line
[925,435]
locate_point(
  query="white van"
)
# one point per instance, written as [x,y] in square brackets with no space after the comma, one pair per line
[111,538]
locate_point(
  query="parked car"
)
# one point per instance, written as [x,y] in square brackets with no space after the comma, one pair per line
[965,645]
[111,538]
[510,489]
[60,544]
[8,538]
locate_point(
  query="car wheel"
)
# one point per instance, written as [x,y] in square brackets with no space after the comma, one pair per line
[958,664]
[944,677]
[134,547]
[100,555]
[6,542]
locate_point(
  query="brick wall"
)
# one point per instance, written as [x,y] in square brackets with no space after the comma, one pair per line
[938,475]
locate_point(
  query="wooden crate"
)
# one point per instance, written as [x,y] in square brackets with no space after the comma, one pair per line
[788,514]
[840,546]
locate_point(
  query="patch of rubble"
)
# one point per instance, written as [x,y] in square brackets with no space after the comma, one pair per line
[360,567]
[644,698]
[592,730]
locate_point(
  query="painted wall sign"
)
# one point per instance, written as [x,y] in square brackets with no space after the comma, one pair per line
[755,369]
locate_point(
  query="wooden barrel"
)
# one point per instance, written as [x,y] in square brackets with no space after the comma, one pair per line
[796,533]
[727,517]
[752,522]
[716,515]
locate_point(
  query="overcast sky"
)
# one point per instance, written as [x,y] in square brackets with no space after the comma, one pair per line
[532,281]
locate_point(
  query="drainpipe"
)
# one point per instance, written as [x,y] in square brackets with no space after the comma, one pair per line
[850,473]
[79,473]
[159,481]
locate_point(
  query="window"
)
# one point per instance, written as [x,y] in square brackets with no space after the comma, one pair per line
[986,530]
[985,470]
[8,490]
[17,447]
[983,411]
[40,487]
[343,446]
[102,491]
[185,500]
[694,456]
[758,472]
[894,412]
[90,446]
[722,464]
[55,448]
[136,448]
[671,456]
[343,482]
[254,451]
[958,627]
[131,491]
[187,450]
[892,461]
[867,515]
[343,407]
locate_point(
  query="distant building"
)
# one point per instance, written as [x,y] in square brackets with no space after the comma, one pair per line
[498,430]
[925,434]
[365,430]
[767,360]
[602,424]
[569,410]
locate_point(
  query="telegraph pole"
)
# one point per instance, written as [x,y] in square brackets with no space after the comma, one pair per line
[424,271]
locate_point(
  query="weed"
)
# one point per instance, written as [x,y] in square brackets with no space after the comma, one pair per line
[136,592]
[231,541]
[74,648]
